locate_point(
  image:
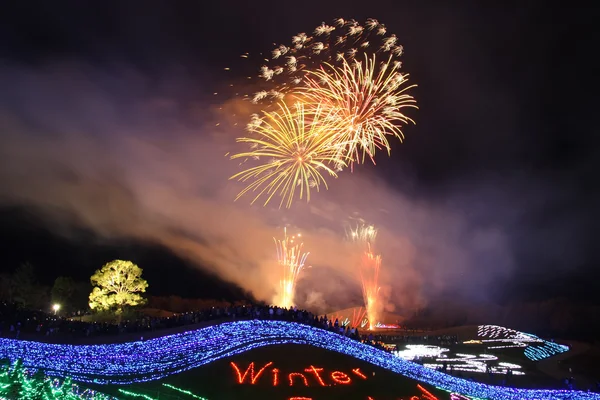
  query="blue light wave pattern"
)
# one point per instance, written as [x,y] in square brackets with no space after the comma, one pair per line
[154,359]
[535,348]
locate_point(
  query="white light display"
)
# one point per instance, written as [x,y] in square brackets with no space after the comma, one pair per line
[503,338]
[460,362]
[415,351]
[127,363]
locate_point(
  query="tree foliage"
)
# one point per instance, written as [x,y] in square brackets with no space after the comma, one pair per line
[71,295]
[63,290]
[24,283]
[21,287]
[116,285]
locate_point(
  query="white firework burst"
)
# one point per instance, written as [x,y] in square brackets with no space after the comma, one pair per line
[258,96]
[318,47]
[371,24]
[324,29]
[266,73]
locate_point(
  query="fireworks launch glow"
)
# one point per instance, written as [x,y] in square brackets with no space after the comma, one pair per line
[358,316]
[369,96]
[369,276]
[294,148]
[363,236]
[292,260]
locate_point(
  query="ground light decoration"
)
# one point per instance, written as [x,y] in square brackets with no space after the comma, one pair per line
[436,357]
[134,362]
[499,337]
[310,376]
[20,383]
[136,395]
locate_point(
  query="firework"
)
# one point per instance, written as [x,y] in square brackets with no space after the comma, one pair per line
[351,68]
[369,97]
[358,315]
[363,234]
[369,277]
[288,65]
[291,259]
[295,149]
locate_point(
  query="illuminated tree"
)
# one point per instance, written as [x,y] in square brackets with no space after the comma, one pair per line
[116,285]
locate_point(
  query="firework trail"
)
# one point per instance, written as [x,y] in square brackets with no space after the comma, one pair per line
[294,148]
[291,259]
[358,316]
[369,277]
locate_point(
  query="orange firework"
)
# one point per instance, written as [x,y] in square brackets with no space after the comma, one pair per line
[294,148]
[291,259]
[369,276]
[369,97]
[358,316]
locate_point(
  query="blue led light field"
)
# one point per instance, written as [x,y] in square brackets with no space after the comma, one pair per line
[158,358]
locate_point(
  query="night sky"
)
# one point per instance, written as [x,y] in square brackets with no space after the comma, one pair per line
[109,149]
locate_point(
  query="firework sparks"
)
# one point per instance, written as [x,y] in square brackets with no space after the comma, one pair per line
[292,260]
[370,97]
[358,316]
[351,97]
[297,148]
[363,234]
[352,68]
[369,277]
[310,52]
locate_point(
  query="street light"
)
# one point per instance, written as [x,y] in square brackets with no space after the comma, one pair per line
[56,307]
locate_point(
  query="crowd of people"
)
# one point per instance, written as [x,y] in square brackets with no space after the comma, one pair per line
[18,323]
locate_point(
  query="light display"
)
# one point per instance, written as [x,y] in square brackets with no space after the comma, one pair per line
[337,377]
[136,395]
[460,362]
[126,363]
[18,382]
[299,375]
[503,338]
[340,378]
[183,391]
[250,370]
[317,373]
[128,393]
[380,325]
[414,351]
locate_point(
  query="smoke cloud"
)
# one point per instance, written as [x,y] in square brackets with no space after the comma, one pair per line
[126,158]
